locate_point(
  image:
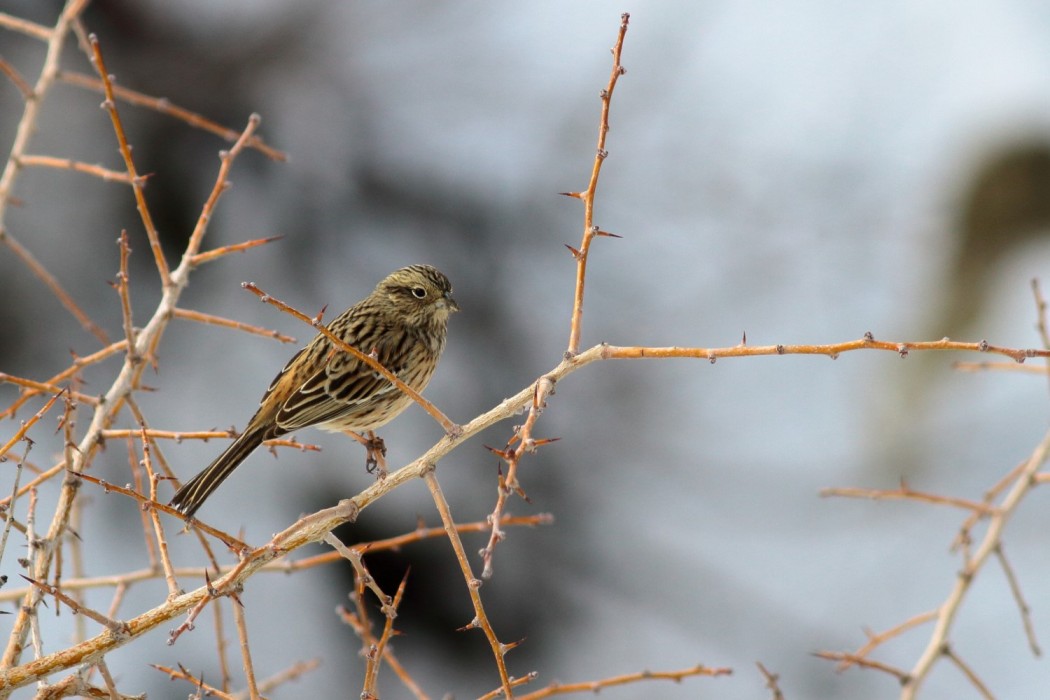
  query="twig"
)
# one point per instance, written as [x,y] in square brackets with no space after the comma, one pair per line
[354,557]
[625,679]
[164,106]
[45,387]
[10,509]
[875,640]
[246,651]
[24,26]
[139,485]
[377,655]
[104,174]
[26,425]
[117,627]
[291,673]
[1041,323]
[907,494]
[587,196]
[481,619]
[772,681]
[49,280]
[215,254]
[204,689]
[137,182]
[1040,312]
[360,628]
[15,77]
[222,183]
[1022,606]
[78,364]
[230,541]
[997,367]
[125,294]
[832,350]
[970,674]
[209,319]
[158,530]
[846,660]
[509,484]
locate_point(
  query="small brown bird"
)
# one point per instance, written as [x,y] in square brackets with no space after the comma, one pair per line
[402,323]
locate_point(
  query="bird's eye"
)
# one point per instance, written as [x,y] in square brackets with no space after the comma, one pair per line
[419,293]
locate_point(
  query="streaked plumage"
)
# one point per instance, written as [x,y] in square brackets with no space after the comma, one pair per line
[403,321]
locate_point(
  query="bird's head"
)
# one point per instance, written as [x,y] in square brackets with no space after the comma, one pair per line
[421,294]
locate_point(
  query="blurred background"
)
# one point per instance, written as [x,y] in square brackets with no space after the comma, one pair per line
[800,171]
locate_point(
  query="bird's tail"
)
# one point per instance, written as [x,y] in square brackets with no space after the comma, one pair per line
[194,492]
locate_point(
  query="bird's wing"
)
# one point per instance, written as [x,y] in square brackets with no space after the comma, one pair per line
[343,386]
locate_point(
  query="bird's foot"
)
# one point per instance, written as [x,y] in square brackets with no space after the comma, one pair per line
[375,461]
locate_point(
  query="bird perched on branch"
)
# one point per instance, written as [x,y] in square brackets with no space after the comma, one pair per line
[402,324]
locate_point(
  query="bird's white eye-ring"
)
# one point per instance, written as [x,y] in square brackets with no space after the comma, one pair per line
[419,293]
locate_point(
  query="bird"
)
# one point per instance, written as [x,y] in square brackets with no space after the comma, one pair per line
[402,324]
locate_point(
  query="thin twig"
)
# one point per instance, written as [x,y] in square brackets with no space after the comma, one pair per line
[1022,606]
[15,77]
[164,106]
[970,674]
[104,174]
[246,651]
[361,629]
[1041,322]
[50,281]
[907,494]
[772,681]
[625,679]
[587,196]
[24,26]
[137,182]
[481,618]
[21,432]
[210,319]
[216,253]
[354,557]
[875,640]
[115,626]
[158,530]
[376,656]
[847,660]
[509,484]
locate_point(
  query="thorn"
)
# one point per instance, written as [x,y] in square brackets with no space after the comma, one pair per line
[574,195]
[607,234]
[320,315]
[575,253]
[504,648]
[502,454]
[743,341]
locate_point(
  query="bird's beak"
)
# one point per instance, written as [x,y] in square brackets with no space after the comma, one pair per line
[450,303]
